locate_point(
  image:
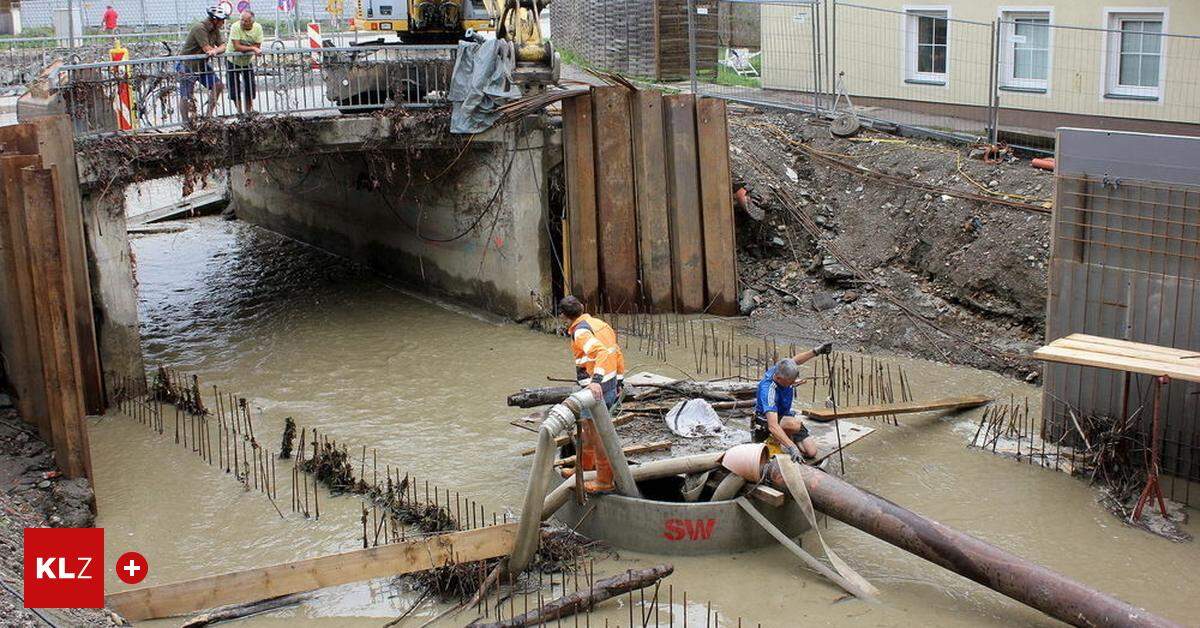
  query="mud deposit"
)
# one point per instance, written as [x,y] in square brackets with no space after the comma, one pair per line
[308,336]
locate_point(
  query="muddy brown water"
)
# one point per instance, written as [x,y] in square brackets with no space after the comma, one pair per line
[306,335]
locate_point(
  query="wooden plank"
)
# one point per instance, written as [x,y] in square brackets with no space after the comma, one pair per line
[716,207]
[579,157]
[631,450]
[1184,359]
[650,179]
[56,145]
[910,407]
[20,338]
[683,203]
[768,495]
[250,585]
[616,217]
[1117,363]
[1141,347]
[44,224]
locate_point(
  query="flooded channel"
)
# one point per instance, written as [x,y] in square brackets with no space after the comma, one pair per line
[324,341]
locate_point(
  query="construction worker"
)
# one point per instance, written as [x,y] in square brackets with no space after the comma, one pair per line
[775,422]
[599,367]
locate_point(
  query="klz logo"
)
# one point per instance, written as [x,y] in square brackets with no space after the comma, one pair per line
[681,529]
[64,567]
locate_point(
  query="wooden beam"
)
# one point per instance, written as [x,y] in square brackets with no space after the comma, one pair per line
[716,207]
[631,450]
[56,145]
[683,203]
[250,585]
[768,495]
[579,157]
[650,183]
[56,320]
[910,407]
[616,217]
[1051,353]
[19,319]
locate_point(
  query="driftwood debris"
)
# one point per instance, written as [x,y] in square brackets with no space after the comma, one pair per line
[605,589]
[718,391]
[230,613]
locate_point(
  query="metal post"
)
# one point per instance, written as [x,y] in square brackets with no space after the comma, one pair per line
[814,17]
[70,23]
[994,84]
[831,58]
[691,24]
[142,4]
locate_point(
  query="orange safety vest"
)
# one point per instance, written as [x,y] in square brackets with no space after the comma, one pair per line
[598,357]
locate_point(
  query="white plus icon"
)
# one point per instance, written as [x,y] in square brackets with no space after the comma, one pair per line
[132,568]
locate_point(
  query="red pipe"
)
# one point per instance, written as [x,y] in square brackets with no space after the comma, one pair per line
[1044,163]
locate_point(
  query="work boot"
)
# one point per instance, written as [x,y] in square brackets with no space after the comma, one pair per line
[586,456]
[597,459]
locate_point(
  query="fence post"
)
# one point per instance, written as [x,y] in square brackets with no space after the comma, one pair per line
[814,16]
[70,23]
[691,26]
[832,43]
[994,84]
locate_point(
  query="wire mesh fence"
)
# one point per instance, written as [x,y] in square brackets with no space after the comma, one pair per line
[168,92]
[43,17]
[1015,73]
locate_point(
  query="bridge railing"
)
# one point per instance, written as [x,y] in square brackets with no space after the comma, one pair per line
[165,92]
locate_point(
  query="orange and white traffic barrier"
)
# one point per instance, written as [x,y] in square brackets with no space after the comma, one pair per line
[123,98]
[314,42]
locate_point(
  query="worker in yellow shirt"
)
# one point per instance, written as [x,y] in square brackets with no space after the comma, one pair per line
[599,367]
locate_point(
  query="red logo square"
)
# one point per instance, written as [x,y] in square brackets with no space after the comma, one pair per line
[64,567]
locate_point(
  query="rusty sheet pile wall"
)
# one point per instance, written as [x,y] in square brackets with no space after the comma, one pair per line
[649,209]
[1126,264]
[46,326]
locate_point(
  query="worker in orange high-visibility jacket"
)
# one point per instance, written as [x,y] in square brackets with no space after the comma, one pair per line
[599,367]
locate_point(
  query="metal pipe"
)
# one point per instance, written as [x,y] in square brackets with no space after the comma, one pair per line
[1048,591]
[558,419]
[612,446]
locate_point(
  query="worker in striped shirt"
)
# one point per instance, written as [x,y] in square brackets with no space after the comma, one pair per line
[599,367]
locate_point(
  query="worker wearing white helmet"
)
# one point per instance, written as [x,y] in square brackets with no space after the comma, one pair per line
[207,38]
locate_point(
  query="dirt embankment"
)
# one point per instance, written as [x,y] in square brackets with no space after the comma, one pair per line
[34,495]
[871,261]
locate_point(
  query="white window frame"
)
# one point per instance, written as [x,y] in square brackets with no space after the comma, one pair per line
[909,28]
[1111,61]
[1007,15]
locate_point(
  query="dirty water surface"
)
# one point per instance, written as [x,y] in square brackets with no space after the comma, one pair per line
[310,336]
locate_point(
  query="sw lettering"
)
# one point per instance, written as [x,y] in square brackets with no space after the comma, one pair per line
[691,530]
[45,568]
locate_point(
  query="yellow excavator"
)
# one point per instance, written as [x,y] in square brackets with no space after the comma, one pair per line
[423,22]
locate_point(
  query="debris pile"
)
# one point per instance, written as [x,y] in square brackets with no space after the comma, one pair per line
[941,256]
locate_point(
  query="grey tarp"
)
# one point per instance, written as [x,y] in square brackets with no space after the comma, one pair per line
[482,81]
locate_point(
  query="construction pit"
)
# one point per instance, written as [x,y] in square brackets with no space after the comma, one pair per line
[405,455]
[331,344]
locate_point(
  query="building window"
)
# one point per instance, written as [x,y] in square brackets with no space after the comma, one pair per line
[1026,50]
[1135,55]
[927,45]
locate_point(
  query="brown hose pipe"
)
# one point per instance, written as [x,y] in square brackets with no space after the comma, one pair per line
[1048,591]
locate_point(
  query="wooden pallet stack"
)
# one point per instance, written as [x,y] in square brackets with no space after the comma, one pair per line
[47,332]
[649,206]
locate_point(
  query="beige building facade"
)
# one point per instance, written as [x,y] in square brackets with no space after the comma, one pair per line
[1125,59]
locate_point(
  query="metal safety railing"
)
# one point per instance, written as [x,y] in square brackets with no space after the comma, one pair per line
[924,69]
[167,92]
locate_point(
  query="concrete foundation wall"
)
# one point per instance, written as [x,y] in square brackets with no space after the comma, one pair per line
[468,222]
[114,291]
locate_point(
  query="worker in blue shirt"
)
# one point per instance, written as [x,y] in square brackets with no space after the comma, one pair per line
[775,422]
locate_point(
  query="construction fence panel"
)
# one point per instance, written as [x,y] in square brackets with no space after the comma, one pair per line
[759,52]
[1053,75]
[914,67]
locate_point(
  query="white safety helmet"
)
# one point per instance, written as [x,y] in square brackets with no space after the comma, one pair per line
[218,12]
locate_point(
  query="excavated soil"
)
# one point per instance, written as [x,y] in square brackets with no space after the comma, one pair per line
[938,276]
